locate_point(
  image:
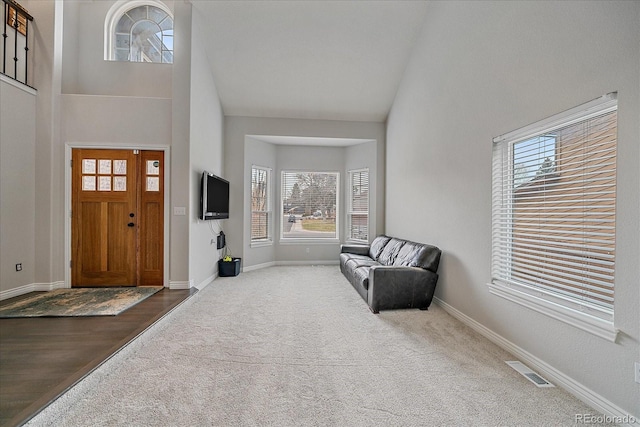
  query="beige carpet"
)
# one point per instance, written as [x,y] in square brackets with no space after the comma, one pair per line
[78,302]
[297,346]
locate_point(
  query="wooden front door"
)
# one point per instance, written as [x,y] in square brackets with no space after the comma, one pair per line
[117,219]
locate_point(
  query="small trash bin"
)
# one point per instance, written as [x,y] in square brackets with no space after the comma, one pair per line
[229,268]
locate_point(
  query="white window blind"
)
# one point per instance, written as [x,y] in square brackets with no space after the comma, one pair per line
[309,205]
[554,208]
[358,216]
[260,204]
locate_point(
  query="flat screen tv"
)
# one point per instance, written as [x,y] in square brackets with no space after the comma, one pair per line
[214,197]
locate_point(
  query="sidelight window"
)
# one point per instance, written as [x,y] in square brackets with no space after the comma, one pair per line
[358,209]
[261,212]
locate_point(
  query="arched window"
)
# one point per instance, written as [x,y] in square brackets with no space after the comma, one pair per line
[139,31]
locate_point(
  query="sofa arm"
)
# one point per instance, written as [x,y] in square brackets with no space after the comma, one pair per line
[394,287]
[355,249]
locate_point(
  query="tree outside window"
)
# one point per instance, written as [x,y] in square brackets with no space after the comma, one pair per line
[309,205]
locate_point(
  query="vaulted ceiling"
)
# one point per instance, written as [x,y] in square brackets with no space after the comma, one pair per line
[334,60]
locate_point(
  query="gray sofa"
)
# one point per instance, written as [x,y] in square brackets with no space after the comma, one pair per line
[392,273]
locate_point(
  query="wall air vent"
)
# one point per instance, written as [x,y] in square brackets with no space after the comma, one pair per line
[529,374]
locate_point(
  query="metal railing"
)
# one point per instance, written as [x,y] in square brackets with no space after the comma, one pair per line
[15,41]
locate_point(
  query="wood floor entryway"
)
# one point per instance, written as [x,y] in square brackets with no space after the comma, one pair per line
[41,358]
[117,220]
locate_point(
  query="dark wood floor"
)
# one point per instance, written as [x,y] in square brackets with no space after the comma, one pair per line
[41,358]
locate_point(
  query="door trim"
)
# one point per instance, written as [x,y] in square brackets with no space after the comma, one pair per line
[67,201]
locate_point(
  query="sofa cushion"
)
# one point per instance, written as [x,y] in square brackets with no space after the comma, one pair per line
[359,262]
[418,255]
[361,274]
[390,251]
[378,245]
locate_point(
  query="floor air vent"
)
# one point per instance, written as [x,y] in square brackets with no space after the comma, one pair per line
[529,374]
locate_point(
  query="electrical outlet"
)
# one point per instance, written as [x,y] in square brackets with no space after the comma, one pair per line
[307,250]
[212,241]
[19,267]
[637,370]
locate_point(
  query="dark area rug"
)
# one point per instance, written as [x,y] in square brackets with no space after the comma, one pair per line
[78,302]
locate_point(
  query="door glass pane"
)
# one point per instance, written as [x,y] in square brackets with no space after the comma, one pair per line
[104,183]
[88,183]
[153,167]
[119,167]
[119,183]
[153,183]
[104,167]
[88,165]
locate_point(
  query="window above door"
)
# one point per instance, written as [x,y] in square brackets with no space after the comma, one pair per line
[139,31]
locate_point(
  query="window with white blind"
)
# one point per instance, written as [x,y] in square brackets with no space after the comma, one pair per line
[554,216]
[310,205]
[358,209]
[261,212]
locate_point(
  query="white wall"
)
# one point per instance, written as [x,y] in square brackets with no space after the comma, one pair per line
[17,186]
[205,154]
[481,69]
[86,71]
[126,105]
[236,129]
[85,100]
[181,174]
[27,165]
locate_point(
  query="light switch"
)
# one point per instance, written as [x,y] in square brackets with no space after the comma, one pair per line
[179,210]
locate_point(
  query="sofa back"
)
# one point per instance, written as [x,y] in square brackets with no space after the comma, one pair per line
[376,247]
[400,252]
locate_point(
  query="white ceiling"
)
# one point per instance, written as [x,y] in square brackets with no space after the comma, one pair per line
[310,141]
[333,60]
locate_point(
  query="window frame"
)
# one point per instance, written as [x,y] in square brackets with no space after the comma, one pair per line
[568,309]
[351,211]
[309,240]
[268,241]
[116,12]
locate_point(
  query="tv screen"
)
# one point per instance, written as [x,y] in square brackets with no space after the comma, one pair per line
[214,197]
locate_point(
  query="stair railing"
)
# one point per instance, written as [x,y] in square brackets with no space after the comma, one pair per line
[15,41]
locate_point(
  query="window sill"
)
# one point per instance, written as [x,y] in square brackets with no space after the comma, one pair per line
[262,243]
[584,318]
[356,242]
[309,241]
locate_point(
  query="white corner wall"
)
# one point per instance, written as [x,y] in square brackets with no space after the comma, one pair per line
[86,71]
[481,69]
[17,186]
[205,145]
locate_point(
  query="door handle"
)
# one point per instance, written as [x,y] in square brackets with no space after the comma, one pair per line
[130,224]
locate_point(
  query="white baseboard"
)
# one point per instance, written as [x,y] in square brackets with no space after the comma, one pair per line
[583,393]
[32,287]
[320,262]
[258,266]
[206,282]
[274,263]
[177,284]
